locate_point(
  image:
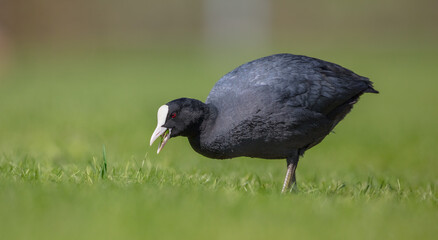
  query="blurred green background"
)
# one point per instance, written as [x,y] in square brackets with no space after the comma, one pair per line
[77,75]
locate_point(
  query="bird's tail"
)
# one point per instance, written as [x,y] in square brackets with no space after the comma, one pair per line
[370,88]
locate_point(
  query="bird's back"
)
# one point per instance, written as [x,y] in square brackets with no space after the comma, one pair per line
[292,79]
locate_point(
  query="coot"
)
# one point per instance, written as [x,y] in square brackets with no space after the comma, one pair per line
[275,107]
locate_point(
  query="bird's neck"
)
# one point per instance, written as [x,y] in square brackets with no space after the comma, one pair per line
[209,119]
[198,141]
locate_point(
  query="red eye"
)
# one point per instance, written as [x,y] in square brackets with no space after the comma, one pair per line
[173,115]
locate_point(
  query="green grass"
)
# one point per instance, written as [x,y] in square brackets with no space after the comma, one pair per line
[75,161]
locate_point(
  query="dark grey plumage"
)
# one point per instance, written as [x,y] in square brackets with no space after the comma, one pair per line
[273,107]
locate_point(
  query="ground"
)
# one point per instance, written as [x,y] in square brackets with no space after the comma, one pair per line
[374,178]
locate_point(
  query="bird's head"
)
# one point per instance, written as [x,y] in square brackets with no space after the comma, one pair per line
[180,117]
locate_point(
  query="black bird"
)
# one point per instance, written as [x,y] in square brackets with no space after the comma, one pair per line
[274,107]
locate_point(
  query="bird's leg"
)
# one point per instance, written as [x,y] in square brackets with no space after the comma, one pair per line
[290,179]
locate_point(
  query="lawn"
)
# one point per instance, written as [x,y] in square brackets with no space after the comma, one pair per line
[374,178]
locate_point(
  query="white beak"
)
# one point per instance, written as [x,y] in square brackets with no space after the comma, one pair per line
[157,133]
[165,135]
[160,130]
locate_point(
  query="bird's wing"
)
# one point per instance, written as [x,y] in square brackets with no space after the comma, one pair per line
[286,80]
